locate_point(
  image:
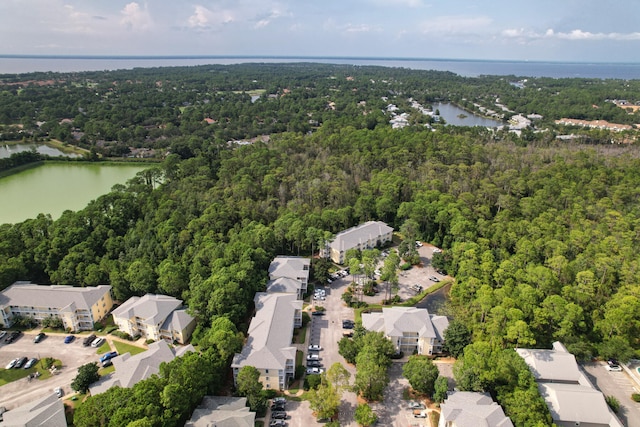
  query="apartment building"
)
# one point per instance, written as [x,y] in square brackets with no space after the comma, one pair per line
[289,267]
[364,236]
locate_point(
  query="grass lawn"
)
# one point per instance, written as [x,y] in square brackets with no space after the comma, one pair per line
[104,348]
[123,348]
[10,375]
[300,335]
[105,371]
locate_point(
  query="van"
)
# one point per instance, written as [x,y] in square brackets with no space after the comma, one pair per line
[97,342]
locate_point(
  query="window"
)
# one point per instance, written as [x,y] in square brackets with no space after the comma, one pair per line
[266,371]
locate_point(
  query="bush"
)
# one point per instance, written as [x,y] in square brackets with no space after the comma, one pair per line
[149,341]
[123,335]
[613,403]
[635,397]
[48,362]
[300,370]
[405,266]
[312,382]
[110,329]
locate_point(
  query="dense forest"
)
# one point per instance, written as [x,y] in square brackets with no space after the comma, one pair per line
[541,235]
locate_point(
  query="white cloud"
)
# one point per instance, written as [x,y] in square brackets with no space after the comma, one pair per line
[135,17]
[577,34]
[359,28]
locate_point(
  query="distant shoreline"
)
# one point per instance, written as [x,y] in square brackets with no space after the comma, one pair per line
[303,57]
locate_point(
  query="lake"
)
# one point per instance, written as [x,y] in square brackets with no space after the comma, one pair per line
[54,187]
[435,301]
[7,150]
[456,116]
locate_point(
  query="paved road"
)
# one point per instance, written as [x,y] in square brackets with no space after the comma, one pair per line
[619,385]
[72,356]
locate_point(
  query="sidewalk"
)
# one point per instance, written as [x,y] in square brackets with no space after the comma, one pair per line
[631,369]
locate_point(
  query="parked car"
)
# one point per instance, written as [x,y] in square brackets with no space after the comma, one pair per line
[279,399]
[347,334]
[318,313]
[434,279]
[88,340]
[437,250]
[613,368]
[313,357]
[11,364]
[39,337]
[97,342]
[277,407]
[348,324]
[279,415]
[31,362]
[3,334]
[58,392]
[107,363]
[315,347]
[20,363]
[612,362]
[13,335]
[416,405]
[277,423]
[315,371]
[418,244]
[314,364]
[69,339]
[107,356]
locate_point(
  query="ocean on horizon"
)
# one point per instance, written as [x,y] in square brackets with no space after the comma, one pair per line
[18,64]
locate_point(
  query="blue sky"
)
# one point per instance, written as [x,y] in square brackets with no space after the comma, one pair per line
[559,30]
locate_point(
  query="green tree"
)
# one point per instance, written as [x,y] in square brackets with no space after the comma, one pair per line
[338,376]
[248,384]
[441,387]
[324,400]
[87,375]
[365,416]
[456,338]
[421,373]
[371,379]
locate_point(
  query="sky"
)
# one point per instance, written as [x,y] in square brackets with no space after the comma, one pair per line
[540,30]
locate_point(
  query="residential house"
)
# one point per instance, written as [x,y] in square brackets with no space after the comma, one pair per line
[155,317]
[410,329]
[269,345]
[78,307]
[472,409]
[129,370]
[291,267]
[364,236]
[45,412]
[222,411]
[570,396]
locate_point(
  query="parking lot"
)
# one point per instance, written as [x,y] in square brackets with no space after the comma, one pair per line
[72,355]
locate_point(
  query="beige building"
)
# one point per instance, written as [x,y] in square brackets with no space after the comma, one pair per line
[364,236]
[269,348]
[570,396]
[78,307]
[222,411]
[410,329]
[284,269]
[155,317]
[471,409]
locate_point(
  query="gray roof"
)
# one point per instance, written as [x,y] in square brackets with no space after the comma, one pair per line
[129,370]
[551,365]
[284,285]
[289,266]
[154,309]
[222,411]
[352,237]
[440,324]
[178,320]
[394,321]
[270,332]
[60,297]
[45,412]
[471,409]
[577,404]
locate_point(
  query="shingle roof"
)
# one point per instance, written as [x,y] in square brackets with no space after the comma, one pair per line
[351,237]
[394,321]
[46,412]
[289,266]
[577,404]
[177,321]
[470,409]
[222,411]
[154,309]
[129,370]
[551,365]
[270,331]
[284,285]
[60,297]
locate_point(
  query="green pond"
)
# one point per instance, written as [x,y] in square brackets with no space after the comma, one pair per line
[53,188]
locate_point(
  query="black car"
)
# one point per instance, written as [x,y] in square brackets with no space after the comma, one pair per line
[20,362]
[348,324]
[317,313]
[88,340]
[12,337]
[314,364]
[279,415]
[39,337]
[277,423]
[107,363]
[277,407]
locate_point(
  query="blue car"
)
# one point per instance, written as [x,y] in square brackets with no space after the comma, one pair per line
[108,356]
[69,339]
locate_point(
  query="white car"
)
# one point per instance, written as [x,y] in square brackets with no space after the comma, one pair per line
[613,368]
[315,347]
[313,357]
[314,371]
[11,364]
[58,392]
[437,250]
[418,243]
